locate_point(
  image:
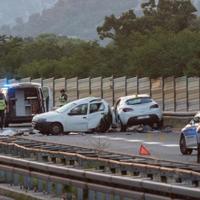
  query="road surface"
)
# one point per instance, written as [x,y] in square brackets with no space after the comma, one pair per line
[161,145]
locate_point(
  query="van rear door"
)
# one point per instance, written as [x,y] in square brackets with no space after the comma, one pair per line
[48,98]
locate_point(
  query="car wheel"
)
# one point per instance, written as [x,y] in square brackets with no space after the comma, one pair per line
[56,129]
[105,123]
[160,124]
[183,148]
[104,126]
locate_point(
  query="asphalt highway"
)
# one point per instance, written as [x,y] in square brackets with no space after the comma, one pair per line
[162,145]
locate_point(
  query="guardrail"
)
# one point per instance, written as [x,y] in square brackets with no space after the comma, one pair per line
[110,172]
[71,183]
[179,114]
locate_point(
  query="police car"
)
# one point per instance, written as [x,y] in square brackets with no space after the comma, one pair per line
[83,115]
[188,138]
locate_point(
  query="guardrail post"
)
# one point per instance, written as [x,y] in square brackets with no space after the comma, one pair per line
[91,195]
[99,196]
[8,176]
[40,185]
[80,194]
[31,186]
[26,182]
[16,179]
[59,189]
[2,176]
[108,196]
[49,187]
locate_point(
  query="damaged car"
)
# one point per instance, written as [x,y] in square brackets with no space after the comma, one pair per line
[135,110]
[89,114]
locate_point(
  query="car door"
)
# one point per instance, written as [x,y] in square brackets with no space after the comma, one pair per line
[97,110]
[76,119]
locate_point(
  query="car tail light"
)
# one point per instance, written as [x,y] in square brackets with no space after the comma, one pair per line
[127,109]
[154,106]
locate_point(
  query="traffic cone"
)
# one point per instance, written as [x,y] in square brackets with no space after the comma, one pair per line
[144,151]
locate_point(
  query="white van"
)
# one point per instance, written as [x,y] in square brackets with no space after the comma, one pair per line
[24,100]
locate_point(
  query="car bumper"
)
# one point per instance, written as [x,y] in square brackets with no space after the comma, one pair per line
[143,119]
[43,127]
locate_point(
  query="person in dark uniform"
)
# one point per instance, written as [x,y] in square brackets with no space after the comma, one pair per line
[63,97]
[3,105]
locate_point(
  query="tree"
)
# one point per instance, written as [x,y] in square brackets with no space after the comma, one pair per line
[172,15]
[113,27]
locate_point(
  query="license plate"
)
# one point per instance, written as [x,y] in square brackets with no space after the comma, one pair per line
[143,117]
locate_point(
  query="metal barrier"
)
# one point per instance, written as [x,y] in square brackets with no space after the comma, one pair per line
[109,172]
[72,183]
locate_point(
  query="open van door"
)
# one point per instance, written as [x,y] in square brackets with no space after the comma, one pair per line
[48,98]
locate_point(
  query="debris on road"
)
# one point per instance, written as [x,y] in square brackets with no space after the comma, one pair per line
[15,131]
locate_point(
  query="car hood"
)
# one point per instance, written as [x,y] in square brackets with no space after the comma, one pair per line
[48,116]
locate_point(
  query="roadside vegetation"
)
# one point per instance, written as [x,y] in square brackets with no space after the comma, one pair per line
[165,41]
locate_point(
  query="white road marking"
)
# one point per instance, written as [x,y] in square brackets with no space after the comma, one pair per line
[136,141]
[141,141]
[115,138]
[170,145]
[152,143]
[100,136]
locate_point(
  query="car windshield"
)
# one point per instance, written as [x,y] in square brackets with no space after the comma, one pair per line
[138,100]
[65,107]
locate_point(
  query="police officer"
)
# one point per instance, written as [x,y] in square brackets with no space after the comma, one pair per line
[3,105]
[63,97]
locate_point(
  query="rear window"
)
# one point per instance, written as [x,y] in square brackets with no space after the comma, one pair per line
[138,100]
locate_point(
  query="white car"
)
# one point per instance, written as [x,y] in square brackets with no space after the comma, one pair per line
[135,110]
[189,135]
[83,115]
